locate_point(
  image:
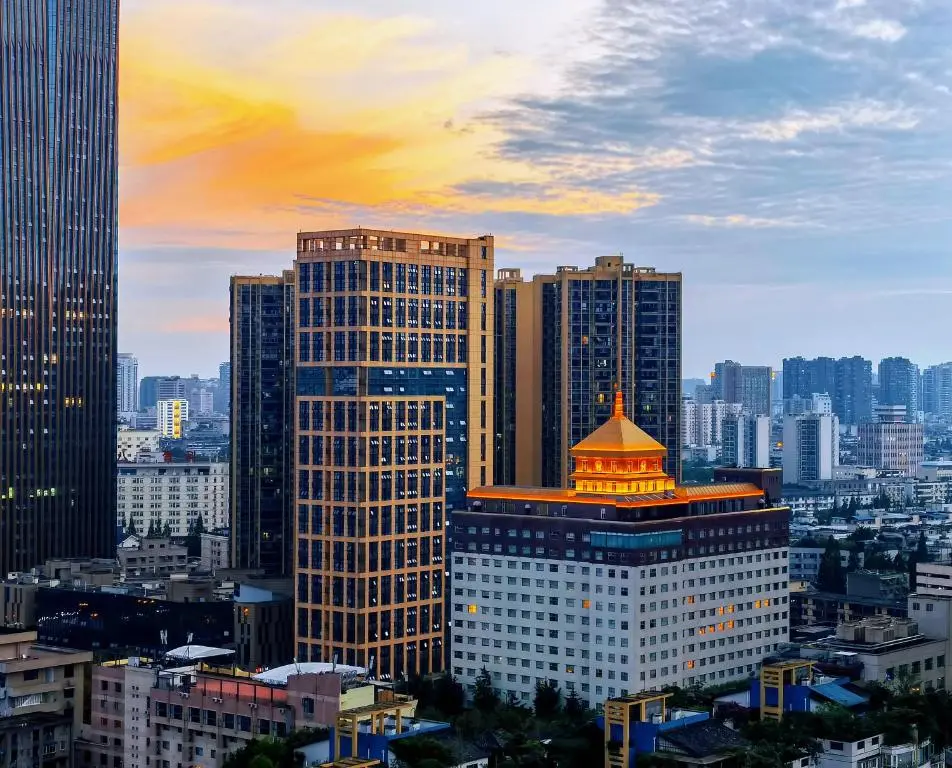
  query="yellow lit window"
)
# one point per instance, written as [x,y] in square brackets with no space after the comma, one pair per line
[720,627]
[690,665]
[711,629]
[766,603]
[730,624]
[471,608]
[730,609]
[570,669]
[756,603]
[690,599]
[701,630]
[586,603]
[720,611]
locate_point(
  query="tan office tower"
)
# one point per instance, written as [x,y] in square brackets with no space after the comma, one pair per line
[593,329]
[394,393]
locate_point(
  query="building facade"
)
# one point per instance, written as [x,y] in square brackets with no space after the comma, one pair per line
[811,448]
[43,704]
[899,385]
[58,263]
[518,407]
[749,385]
[261,374]
[172,496]
[622,582]
[937,390]
[802,378]
[853,396]
[892,442]
[127,385]
[591,330]
[394,410]
[172,416]
[132,443]
[746,442]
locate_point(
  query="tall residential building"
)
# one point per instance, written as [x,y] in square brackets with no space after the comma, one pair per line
[745,442]
[394,411]
[223,392]
[173,495]
[853,398]
[171,388]
[937,390]
[816,403]
[606,326]
[703,422]
[127,385]
[811,448]
[518,366]
[892,441]
[603,586]
[750,385]
[899,385]
[262,422]
[58,265]
[149,392]
[172,417]
[803,378]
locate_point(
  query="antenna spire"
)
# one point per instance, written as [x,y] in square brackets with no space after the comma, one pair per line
[618,410]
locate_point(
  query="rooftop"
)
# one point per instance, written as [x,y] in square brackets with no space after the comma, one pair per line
[620,435]
[708,737]
[280,675]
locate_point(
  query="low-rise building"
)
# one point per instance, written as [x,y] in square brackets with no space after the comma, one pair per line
[264,628]
[41,711]
[891,442]
[151,558]
[193,708]
[172,496]
[131,443]
[216,552]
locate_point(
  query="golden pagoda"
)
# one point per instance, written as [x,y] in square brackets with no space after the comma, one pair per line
[620,459]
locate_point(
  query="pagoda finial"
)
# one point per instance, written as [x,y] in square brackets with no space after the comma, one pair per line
[618,411]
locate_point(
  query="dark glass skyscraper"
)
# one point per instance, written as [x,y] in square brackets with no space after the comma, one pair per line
[261,378]
[58,263]
[899,385]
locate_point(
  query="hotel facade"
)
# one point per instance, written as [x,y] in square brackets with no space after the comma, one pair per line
[622,582]
[393,401]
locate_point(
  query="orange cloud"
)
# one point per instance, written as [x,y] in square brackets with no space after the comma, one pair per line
[239,126]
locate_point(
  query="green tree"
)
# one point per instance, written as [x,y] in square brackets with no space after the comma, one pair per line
[167,530]
[449,696]
[193,541]
[830,576]
[131,527]
[548,700]
[574,708]
[853,564]
[862,533]
[154,530]
[485,697]
[922,549]
[423,752]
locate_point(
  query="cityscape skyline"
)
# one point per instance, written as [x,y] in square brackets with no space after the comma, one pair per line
[792,162]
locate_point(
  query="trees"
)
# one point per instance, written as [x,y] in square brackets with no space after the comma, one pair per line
[853,564]
[548,700]
[831,577]
[485,697]
[574,709]
[423,752]
[194,539]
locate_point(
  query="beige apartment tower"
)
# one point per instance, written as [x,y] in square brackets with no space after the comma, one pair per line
[393,424]
[565,342]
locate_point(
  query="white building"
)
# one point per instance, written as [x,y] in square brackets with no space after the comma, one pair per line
[811,448]
[623,582]
[172,416]
[127,385]
[746,441]
[820,404]
[702,423]
[131,443]
[174,493]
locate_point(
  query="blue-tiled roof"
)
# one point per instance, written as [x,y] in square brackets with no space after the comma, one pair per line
[838,694]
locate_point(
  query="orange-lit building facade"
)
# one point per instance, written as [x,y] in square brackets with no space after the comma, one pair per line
[623,581]
[394,415]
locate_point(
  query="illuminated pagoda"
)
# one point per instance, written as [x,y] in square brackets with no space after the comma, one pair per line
[624,581]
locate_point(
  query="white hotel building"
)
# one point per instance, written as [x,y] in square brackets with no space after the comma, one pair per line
[622,583]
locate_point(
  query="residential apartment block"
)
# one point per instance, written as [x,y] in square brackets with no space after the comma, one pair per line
[173,494]
[623,581]
[565,342]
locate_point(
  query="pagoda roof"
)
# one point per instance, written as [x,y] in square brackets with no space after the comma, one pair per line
[619,435]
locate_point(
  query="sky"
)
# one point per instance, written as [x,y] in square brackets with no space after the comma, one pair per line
[792,159]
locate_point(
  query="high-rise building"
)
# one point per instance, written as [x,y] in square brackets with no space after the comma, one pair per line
[171,388]
[595,329]
[803,378]
[394,411]
[745,442]
[703,422]
[610,573]
[127,385]
[749,385]
[223,392]
[853,398]
[811,447]
[899,385]
[262,422]
[937,390]
[892,442]
[58,264]
[172,416]
[518,366]
[149,392]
